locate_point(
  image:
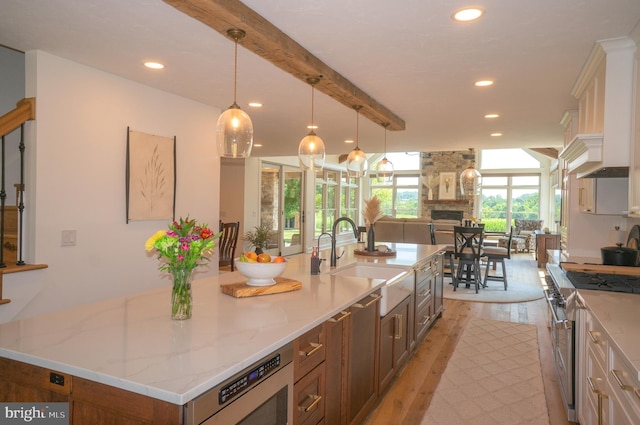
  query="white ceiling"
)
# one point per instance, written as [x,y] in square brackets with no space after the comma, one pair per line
[407,54]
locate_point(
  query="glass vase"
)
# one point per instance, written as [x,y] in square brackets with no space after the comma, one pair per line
[181,298]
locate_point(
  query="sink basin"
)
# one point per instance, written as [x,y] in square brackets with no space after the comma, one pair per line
[399,281]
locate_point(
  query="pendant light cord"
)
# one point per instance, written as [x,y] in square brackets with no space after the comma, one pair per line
[235,71]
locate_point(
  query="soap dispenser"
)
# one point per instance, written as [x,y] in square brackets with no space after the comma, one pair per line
[315,261]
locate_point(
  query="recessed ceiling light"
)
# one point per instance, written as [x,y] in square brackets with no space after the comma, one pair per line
[496,134]
[257,145]
[348,141]
[492,116]
[467,14]
[154,65]
[483,83]
[255,104]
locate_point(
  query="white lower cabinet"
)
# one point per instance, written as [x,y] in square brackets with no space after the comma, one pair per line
[608,388]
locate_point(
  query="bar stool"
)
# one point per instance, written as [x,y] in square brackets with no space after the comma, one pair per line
[467,242]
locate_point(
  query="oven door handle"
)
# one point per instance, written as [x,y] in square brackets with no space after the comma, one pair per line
[558,323]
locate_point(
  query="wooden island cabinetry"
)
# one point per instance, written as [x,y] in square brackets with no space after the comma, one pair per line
[309,377]
[89,402]
[396,335]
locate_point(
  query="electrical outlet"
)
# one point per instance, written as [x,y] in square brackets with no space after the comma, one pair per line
[56,378]
[68,238]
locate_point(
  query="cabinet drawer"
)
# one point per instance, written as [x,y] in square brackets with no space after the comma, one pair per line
[597,340]
[624,384]
[308,397]
[424,294]
[309,351]
[424,317]
[596,387]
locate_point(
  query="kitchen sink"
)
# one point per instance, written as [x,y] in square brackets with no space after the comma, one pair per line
[399,281]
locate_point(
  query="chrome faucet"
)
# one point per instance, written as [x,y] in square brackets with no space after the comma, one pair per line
[356,233]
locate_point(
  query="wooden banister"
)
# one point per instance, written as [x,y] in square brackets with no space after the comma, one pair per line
[25,110]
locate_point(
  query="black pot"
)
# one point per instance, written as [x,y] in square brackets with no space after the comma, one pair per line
[619,256]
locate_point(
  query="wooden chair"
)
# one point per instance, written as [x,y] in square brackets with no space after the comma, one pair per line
[495,254]
[467,250]
[227,244]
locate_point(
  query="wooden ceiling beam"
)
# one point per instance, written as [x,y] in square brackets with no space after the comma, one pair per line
[267,41]
[550,152]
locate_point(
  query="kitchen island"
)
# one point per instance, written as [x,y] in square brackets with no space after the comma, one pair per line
[132,344]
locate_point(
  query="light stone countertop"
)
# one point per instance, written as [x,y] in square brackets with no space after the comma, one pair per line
[131,342]
[619,315]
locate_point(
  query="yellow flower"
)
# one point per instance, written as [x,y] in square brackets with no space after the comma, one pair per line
[150,243]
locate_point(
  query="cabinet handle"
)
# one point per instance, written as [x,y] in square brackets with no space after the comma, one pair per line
[315,348]
[592,385]
[617,376]
[425,293]
[594,337]
[375,297]
[343,315]
[580,304]
[316,399]
[425,319]
[398,322]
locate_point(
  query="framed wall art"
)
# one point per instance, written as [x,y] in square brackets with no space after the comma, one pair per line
[447,187]
[151,176]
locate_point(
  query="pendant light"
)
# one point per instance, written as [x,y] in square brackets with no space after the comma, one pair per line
[357,163]
[234,132]
[470,182]
[311,152]
[384,167]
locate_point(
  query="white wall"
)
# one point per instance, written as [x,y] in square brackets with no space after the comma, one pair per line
[76,154]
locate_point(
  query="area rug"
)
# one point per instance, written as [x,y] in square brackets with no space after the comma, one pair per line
[492,378]
[524,285]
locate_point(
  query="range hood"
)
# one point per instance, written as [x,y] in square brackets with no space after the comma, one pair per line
[587,157]
[603,145]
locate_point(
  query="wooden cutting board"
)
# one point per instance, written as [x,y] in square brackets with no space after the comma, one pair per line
[242,290]
[601,268]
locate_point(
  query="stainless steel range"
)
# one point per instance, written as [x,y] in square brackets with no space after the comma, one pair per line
[562,282]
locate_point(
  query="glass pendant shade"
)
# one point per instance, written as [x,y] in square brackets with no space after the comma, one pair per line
[384,171]
[234,131]
[384,168]
[470,182]
[357,163]
[311,151]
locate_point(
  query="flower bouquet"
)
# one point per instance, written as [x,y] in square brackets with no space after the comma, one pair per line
[185,246]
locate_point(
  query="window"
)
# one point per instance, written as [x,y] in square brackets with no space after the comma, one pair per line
[336,196]
[400,198]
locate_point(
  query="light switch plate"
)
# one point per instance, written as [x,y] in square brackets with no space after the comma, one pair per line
[68,238]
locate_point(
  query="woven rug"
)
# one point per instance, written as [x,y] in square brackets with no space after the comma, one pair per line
[492,378]
[524,284]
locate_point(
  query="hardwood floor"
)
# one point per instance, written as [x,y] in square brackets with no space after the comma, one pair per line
[408,398]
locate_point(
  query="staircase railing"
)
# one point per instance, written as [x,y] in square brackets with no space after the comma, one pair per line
[12,120]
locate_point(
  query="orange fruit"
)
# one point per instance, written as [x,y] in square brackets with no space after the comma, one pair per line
[251,255]
[264,258]
[279,259]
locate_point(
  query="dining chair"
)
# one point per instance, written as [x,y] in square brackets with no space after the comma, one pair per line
[467,250]
[497,254]
[227,244]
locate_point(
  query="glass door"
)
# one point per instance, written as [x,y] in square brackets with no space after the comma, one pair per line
[281,198]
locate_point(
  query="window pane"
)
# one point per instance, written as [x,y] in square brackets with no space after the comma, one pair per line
[494,180]
[409,161]
[385,195]
[515,158]
[494,209]
[407,203]
[525,180]
[407,181]
[525,204]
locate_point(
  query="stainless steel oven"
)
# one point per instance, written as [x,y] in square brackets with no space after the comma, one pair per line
[562,325]
[260,394]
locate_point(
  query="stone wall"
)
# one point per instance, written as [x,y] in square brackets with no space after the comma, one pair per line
[440,179]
